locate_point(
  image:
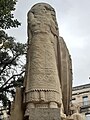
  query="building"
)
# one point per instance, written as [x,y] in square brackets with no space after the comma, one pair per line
[81,98]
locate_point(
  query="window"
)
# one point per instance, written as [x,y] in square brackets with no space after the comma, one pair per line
[73,100]
[85,100]
[88,117]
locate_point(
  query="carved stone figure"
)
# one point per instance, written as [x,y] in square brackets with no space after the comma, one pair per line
[48,76]
[46,73]
[42,82]
[75,108]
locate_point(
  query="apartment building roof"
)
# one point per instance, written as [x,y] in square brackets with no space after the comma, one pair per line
[81,87]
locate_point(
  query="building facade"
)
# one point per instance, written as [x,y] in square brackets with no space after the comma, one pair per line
[81,98]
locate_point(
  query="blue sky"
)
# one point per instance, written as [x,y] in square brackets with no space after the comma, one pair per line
[73,17]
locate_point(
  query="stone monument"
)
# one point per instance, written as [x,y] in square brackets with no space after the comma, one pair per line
[47,89]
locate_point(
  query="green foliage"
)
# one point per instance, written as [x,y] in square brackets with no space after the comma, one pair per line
[6,16]
[12,68]
[12,53]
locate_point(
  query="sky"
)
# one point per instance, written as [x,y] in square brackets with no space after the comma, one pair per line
[73,17]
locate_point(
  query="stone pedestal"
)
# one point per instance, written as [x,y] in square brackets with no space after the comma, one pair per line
[44,114]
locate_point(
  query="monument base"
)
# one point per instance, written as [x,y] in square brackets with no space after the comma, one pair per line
[44,114]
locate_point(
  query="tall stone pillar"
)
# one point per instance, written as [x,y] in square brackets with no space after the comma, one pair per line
[42,83]
[65,73]
[47,87]
[17,106]
[47,68]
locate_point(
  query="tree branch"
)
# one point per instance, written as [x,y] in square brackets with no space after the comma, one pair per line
[11,78]
[7,63]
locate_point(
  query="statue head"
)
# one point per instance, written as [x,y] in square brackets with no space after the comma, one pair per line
[42,15]
[43,9]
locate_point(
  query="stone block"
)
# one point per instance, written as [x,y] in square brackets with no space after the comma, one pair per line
[44,114]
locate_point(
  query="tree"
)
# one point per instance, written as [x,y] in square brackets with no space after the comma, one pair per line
[6,17]
[11,65]
[11,53]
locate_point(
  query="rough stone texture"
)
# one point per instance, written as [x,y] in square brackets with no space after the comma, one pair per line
[77,116]
[75,110]
[16,109]
[48,62]
[74,107]
[65,73]
[69,118]
[43,84]
[48,76]
[44,114]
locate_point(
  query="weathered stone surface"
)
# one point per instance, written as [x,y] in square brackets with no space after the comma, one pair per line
[48,62]
[43,84]
[44,114]
[65,73]
[48,76]
[75,109]
[17,110]
[78,116]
